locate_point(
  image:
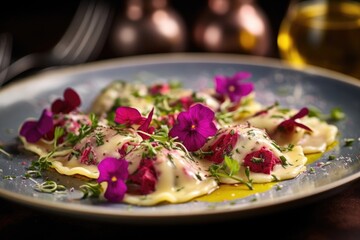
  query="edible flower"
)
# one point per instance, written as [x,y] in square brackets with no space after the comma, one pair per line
[145,127]
[115,172]
[159,89]
[261,161]
[70,102]
[33,131]
[288,126]
[186,102]
[128,116]
[194,126]
[233,87]
[144,177]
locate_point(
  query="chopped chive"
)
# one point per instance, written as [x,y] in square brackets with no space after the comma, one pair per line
[349,142]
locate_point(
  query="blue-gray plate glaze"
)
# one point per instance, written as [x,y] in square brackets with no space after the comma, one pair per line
[274,81]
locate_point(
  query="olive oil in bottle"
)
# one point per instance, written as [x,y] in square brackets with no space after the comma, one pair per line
[322,33]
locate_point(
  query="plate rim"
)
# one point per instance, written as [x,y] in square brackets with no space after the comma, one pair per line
[160,58]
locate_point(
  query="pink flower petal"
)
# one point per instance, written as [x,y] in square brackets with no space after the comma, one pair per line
[302,113]
[200,111]
[145,126]
[45,123]
[221,84]
[29,131]
[288,126]
[72,98]
[27,126]
[34,130]
[58,106]
[128,116]
[115,191]
[115,173]
[206,128]
[110,167]
[246,88]
[193,141]
[70,102]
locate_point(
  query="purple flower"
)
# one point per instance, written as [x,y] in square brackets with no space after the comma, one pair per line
[288,126]
[194,126]
[233,87]
[34,130]
[70,102]
[115,172]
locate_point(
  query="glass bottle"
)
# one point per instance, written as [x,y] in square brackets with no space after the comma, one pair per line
[233,26]
[147,26]
[322,33]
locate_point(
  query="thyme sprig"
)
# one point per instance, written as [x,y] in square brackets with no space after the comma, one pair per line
[2,150]
[91,189]
[228,169]
[161,136]
[37,167]
[84,130]
[49,186]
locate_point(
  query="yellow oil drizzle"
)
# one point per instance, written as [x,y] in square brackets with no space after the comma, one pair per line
[228,192]
[315,156]
[231,192]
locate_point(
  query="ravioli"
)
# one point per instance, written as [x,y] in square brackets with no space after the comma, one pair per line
[134,123]
[321,136]
[85,155]
[252,147]
[180,178]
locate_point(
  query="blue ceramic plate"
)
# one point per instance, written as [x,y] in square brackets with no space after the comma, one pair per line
[273,81]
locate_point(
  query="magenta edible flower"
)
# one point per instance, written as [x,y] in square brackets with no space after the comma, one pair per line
[222,147]
[70,102]
[115,172]
[261,161]
[33,131]
[233,86]
[128,116]
[145,127]
[159,89]
[194,126]
[186,101]
[145,177]
[288,126]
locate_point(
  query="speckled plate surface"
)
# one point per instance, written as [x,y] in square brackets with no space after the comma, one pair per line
[274,81]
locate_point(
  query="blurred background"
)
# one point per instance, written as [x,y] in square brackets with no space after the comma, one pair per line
[37,25]
[136,27]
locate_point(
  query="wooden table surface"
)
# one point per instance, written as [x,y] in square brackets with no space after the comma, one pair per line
[336,216]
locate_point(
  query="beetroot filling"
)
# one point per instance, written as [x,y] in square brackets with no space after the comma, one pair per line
[261,161]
